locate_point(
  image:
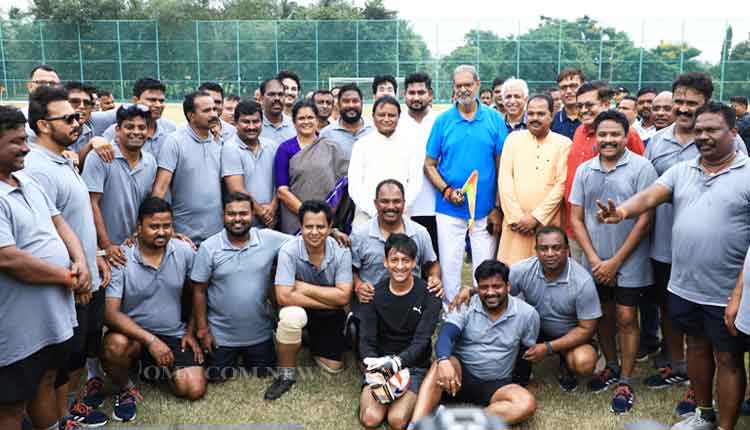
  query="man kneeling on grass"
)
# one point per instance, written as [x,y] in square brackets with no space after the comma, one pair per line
[313,284]
[142,312]
[395,337]
[477,348]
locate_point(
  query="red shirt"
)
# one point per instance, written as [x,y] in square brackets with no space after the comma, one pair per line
[583,149]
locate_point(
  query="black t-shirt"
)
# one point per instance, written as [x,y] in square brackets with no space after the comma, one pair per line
[400,325]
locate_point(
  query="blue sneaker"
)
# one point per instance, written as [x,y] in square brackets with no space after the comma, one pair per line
[666,378]
[93,394]
[87,416]
[602,380]
[68,423]
[686,407]
[125,405]
[622,401]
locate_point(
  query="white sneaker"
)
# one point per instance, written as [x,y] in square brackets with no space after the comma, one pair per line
[694,422]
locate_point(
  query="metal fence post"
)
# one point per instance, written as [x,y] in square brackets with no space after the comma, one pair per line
[237,50]
[437,61]
[41,41]
[724,53]
[559,47]
[640,58]
[2,59]
[356,46]
[476,57]
[682,48]
[80,53]
[276,43]
[198,51]
[119,61]
[158,56]
[601,56]
[518,50]
[398,53]
[317,54]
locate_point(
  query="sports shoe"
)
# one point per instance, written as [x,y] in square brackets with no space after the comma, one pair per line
[87,416]
[622,401]
[686,406]
[694,422]
[68,423]
[602,380]
[645,351]
[93,394]
[666,378]
[278,388]
[745,407]
[125,404]
[567,379]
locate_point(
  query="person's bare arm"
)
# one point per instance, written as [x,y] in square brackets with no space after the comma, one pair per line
[649,198]
[577,336]
[75,250]
[431,171]
[332,296]
[32,270]
[235,184]
[286,295]
[640,230]
[161,183]
[289,200]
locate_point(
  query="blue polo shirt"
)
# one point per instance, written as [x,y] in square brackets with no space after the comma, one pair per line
[462,146]
[561,124]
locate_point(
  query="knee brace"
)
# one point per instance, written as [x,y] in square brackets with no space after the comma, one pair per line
[292,319]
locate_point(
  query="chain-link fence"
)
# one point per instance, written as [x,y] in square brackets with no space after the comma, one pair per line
[240,54]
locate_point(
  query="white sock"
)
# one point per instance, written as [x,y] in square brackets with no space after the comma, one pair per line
[93,368]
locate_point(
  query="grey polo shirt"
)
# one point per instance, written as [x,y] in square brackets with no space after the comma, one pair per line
[561,304]
[282,133]
[195,165]
[33,316]
[743,315]
[122,189]
[256,169]
[152,296]
[294,264]
[238,281]
[65,187]
[488,349]
[100,121]
[711,229]
[343,137]
[631,174]
[153,144]
[664,151]
[368,249]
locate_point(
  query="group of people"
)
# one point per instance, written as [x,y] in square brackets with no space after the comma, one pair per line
[190,253]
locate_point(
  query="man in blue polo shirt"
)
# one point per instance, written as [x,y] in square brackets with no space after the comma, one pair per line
[468,137]
[566,120]
[710,195]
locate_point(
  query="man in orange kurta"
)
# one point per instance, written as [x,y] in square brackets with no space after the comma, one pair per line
[531,181]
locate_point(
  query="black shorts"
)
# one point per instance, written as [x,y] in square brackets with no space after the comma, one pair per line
[662,273]
[325,328]
[20,380]
[430,223]
[474,390]
[699,320]
[150,371]
[416,377]
[630,296]
[258,360]
[87,337]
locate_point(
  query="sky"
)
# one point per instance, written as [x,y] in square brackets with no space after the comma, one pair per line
[444,22]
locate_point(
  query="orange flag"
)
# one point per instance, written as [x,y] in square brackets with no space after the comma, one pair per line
[470,191]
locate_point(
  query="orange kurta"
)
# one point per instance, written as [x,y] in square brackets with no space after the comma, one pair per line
[531,181]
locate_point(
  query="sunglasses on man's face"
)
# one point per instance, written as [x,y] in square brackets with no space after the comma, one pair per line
[69,118]
[75,102]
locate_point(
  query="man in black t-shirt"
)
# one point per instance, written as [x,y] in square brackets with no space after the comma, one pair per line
[395,333]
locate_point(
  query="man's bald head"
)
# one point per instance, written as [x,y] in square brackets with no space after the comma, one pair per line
[661,109]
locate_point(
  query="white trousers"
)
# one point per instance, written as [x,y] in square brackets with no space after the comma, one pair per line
[451,233]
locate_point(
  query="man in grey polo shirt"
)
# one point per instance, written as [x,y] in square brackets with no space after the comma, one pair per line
[313,284]
[37,278]
[710,236]
[247,163]
[143,313]
[350,125]
[477,348]
[231,281]
[56,125]
[222,128]
[276,126]
[190,168]
[117,189]
[564,295]
[618,258]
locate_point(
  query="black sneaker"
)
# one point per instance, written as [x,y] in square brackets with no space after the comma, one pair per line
[68,423]
[93,394]
[278,388]
[567,379]
[666,378]
[87,416]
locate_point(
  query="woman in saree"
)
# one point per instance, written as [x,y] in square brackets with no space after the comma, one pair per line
[305,167]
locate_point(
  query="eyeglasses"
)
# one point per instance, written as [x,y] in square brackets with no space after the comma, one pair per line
[587,106]
[69,118]
[75,101]
[46,83]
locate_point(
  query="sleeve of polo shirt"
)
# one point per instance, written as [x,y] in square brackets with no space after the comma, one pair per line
[502,134]
[669,179]
[587,302]
[189,259]
[515,280]
[231,160]
[202,265]
[94,173]
[281,166]
[435,141]
[532,329]
[344,267]
[286,267]
[109,133]
[577,192]
[647,177]
[458,316]
[116,284]
[6,225]
[101,120]
[356,250]
[169,155]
